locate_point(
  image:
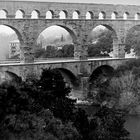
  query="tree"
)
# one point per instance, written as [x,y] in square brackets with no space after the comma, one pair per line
[54,94]
[102,46]
[133,41]
[68,50]
[39,52]
[108,124]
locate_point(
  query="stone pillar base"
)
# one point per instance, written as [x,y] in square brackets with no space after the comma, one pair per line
[80,54]
[118,50]
[26,57]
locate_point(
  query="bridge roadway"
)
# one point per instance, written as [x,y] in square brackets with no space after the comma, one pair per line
[57,60]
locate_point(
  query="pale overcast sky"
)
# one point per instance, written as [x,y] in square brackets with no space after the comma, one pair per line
[130,2]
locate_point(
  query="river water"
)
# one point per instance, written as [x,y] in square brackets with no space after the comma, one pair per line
[133,126]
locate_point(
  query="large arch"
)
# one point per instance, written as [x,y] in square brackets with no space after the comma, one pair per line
[68,76]
[69,29]
[16,31]
[131,28]
[11,41]
[57,41]
[112,33]
[8,76]
[14,77]
[104,70]
[109,27]
[99,77]
[132,37]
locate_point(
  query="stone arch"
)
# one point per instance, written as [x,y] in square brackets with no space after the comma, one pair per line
[35,14]
[105,71]
[59,39]
[75,14]
[69,76]
[3,13]
[49,14]
[114,34]
[125,15]
[67,28]
[89,15]
[102,15]
[19,14]
[71,32]
[114,15]
[16,31]
[132,33]
[13,50]
[63,14]
[132,27]
[137,16]
[13,77]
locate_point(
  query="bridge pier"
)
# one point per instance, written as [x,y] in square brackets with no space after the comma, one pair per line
[84,85]
[26,55]
[80,51]
[118,50]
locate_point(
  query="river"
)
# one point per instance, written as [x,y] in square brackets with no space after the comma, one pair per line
[133,126]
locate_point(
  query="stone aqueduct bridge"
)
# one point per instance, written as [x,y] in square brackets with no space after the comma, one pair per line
[28,30]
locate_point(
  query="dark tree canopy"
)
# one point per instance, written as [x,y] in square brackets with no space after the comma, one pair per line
[41,109]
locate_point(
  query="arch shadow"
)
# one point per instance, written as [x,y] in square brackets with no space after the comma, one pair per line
[14,77]
[104,70]
[68,74]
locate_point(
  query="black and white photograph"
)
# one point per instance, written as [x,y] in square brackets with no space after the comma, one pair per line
[69,70]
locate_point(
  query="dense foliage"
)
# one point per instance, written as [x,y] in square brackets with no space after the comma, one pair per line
[133,40]
[54,51]
[103,45]
[122,89]
[40,109]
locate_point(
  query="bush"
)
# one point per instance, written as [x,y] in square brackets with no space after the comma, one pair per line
[108,124]
[126,84]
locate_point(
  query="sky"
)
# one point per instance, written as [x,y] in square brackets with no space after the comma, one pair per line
[129,2]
